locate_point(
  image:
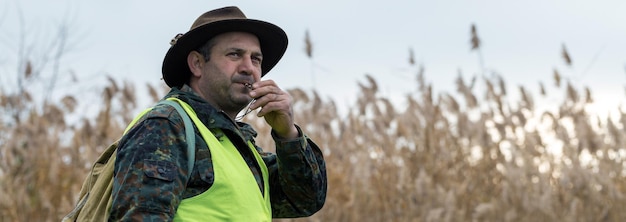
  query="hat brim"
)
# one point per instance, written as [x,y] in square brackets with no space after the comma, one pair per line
[273,41]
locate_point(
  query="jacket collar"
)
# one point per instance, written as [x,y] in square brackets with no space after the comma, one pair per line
[209,115]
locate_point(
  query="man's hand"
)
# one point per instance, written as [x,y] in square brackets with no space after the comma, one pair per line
[275,108]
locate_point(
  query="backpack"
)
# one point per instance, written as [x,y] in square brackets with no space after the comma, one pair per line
[95,195]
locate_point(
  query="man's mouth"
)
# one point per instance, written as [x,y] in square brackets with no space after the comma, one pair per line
[247,85]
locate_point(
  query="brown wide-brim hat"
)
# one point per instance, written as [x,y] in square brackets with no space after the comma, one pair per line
[272,38]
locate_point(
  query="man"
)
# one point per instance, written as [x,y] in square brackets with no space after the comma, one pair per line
[216,68]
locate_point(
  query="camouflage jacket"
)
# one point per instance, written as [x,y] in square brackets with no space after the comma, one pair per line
[151,166]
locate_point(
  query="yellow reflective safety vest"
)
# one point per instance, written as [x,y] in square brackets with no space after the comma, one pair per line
[234,195]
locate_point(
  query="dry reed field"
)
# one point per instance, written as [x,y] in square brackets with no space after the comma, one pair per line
[476,154]
[461,156]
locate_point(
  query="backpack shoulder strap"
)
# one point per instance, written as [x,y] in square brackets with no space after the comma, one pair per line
[99,181]
[189,134]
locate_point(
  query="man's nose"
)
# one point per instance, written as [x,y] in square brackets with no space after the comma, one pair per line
[247,66]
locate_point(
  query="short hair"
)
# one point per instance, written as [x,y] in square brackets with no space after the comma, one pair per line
[205,49]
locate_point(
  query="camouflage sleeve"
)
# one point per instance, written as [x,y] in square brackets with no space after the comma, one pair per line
[150,169]
[298,185]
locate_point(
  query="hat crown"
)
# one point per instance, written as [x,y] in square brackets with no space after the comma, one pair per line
[225,13]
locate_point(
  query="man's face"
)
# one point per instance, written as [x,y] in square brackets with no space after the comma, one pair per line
[235,62]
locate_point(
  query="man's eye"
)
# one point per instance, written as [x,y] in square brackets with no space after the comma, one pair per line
[234,54]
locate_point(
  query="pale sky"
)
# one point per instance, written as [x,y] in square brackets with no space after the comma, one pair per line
[521,40]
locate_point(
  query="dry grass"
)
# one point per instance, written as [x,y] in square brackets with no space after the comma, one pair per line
[457,156]
[468,159]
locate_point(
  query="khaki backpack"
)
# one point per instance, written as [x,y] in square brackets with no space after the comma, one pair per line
[95,195]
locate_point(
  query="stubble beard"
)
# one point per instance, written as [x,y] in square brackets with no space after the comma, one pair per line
[238,98]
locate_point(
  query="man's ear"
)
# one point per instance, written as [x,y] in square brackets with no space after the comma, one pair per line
[195,63]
